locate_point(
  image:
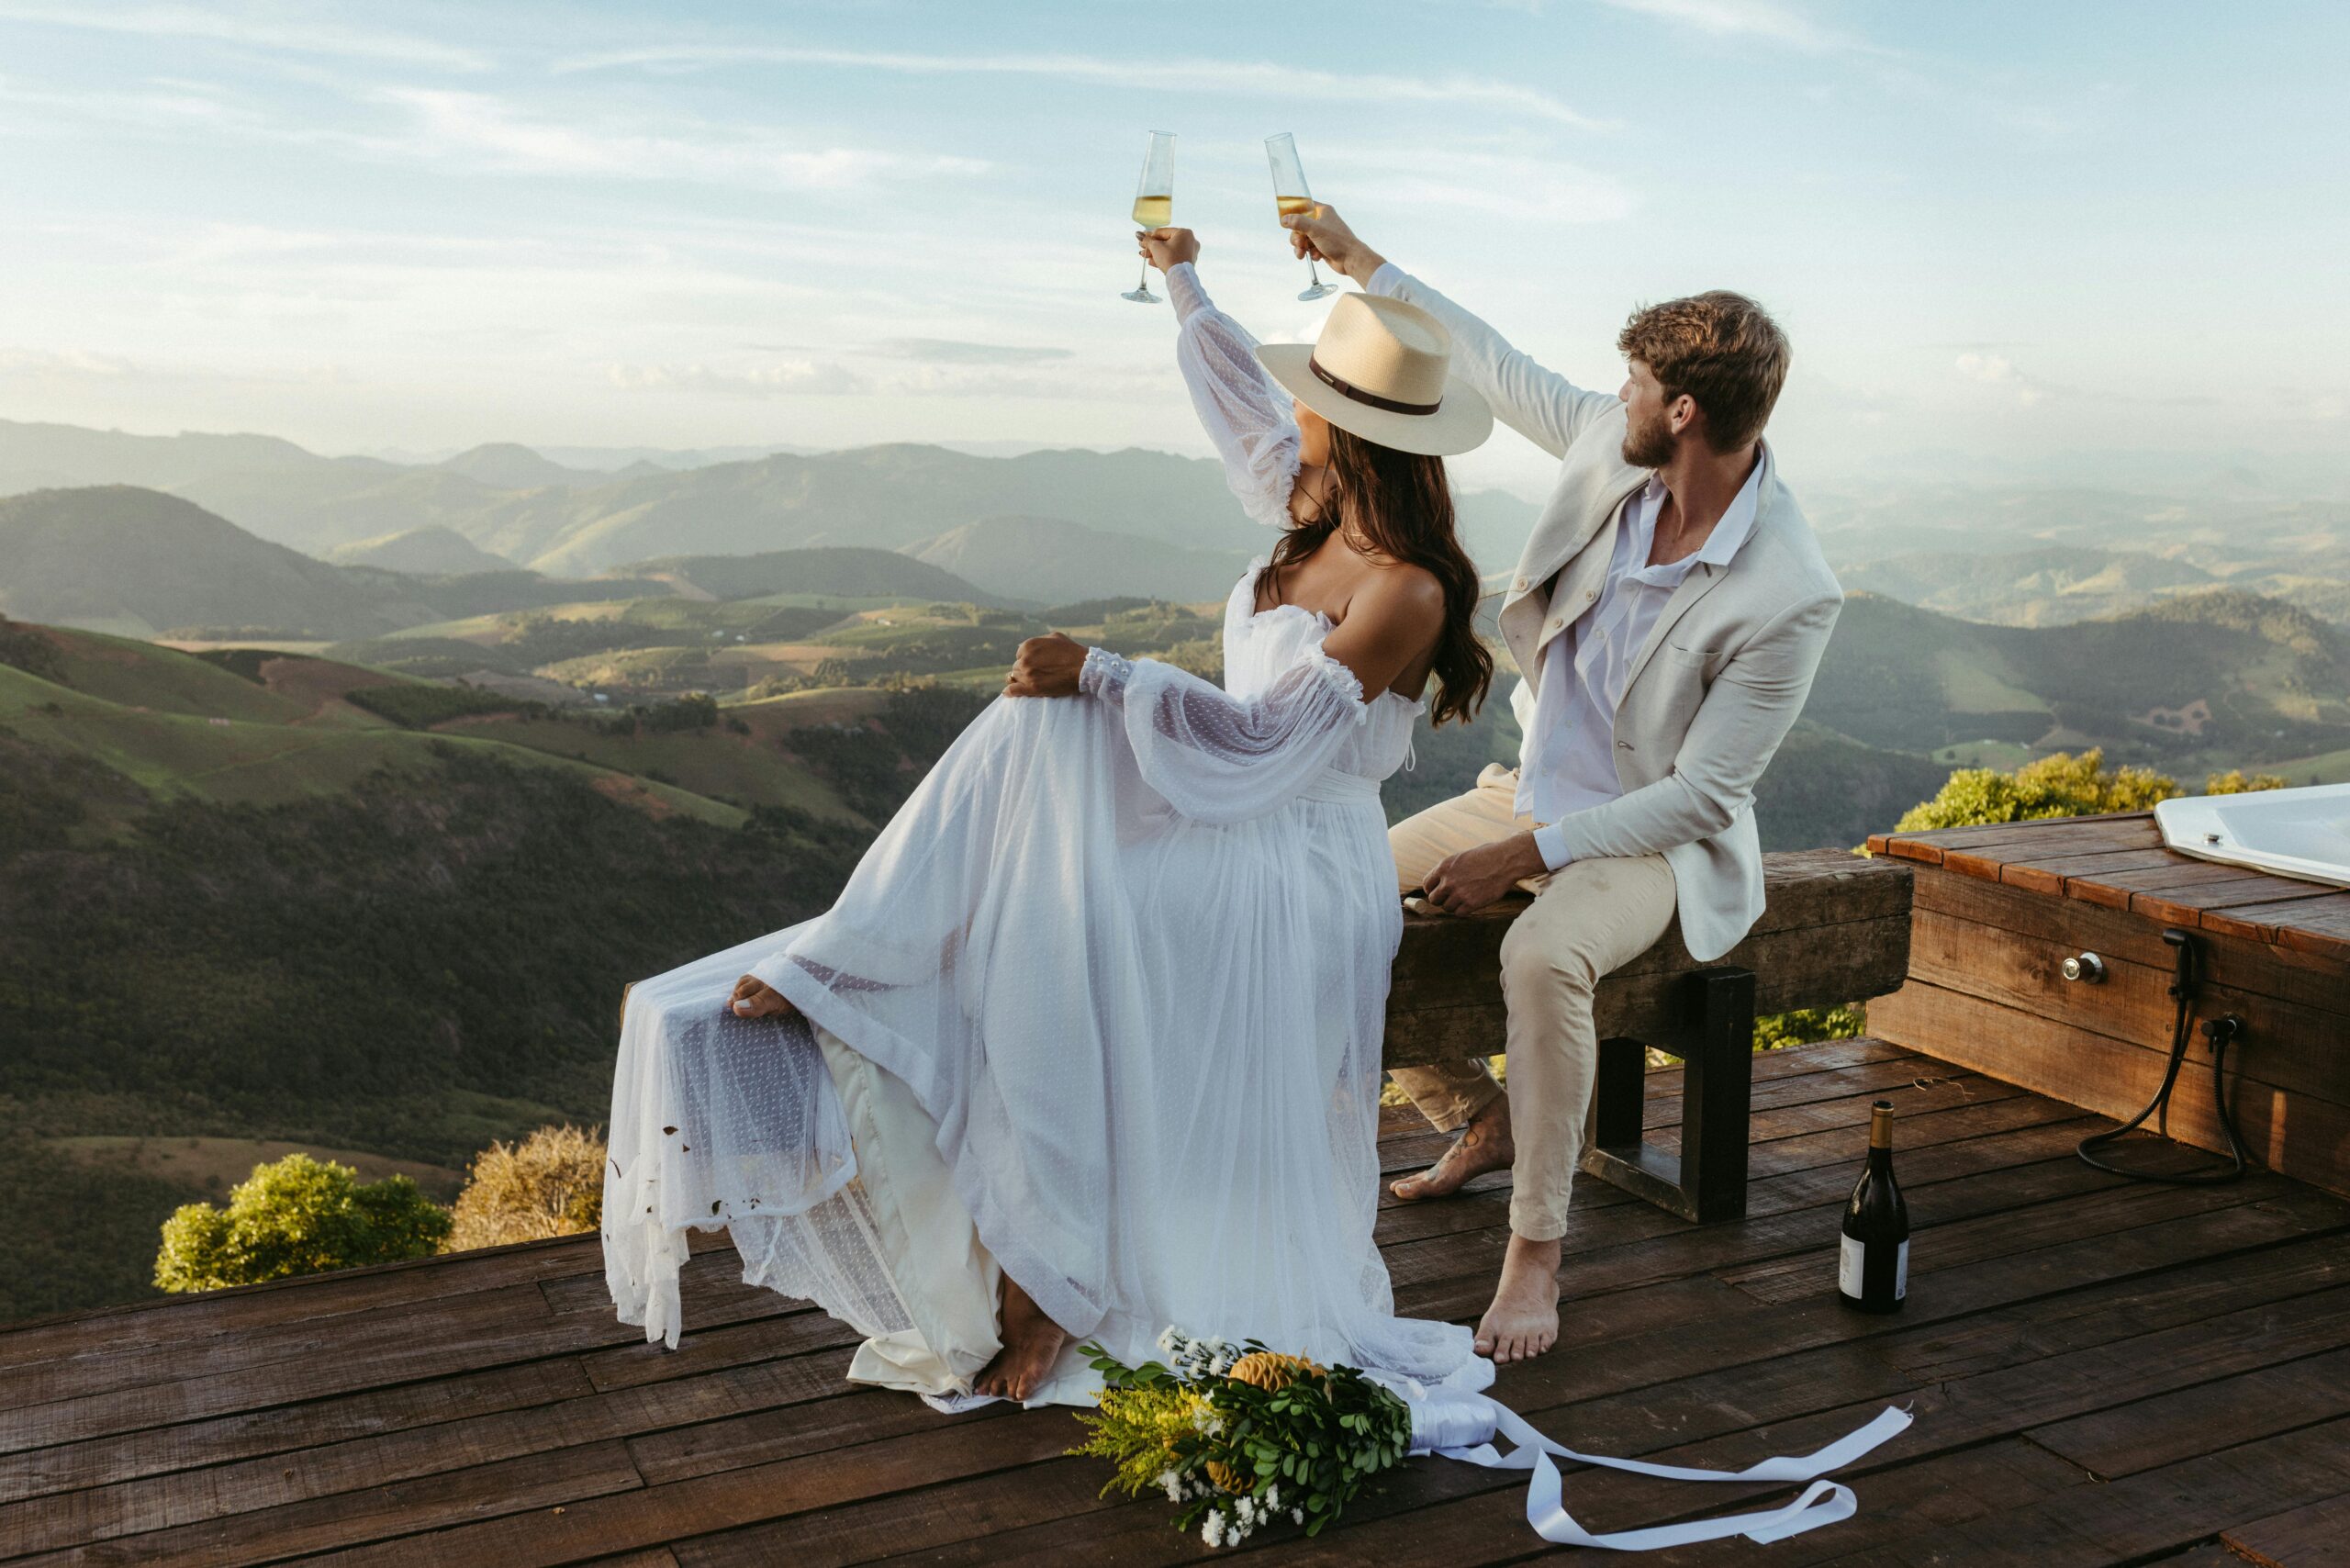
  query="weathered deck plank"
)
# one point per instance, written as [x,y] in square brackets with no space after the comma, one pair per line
[2071,1341]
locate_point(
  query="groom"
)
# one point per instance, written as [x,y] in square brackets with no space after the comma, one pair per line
[1667,614]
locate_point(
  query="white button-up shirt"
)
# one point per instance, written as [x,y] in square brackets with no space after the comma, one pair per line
[1567,760]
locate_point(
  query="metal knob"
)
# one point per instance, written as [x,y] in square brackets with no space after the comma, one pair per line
[2085,966]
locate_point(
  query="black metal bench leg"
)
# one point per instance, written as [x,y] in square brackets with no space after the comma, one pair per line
[1715,1045]
[1618,1093]
[1717,1091]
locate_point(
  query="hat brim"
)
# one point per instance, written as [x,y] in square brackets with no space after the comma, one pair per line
[1461,420]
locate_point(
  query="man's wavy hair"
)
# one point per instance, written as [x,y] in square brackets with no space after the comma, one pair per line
[1720,348]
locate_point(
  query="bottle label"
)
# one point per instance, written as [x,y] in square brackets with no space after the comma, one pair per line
[1848,1269]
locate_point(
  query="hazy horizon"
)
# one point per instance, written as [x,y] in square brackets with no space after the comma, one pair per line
[2095,244]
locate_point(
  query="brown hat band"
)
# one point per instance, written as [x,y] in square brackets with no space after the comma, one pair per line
[1372,398]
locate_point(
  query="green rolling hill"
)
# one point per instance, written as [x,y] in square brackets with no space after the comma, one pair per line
[142,562]
[2218,677]
[363,935]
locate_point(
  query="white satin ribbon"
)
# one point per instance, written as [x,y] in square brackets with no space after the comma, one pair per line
[1456,1424]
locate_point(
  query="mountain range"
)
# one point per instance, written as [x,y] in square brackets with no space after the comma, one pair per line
[562,521]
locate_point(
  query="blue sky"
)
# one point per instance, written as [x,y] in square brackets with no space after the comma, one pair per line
[1997,233]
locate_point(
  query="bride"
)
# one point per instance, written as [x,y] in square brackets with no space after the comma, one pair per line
[1090,1044]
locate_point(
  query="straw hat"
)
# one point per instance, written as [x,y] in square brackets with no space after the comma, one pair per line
[1380,370]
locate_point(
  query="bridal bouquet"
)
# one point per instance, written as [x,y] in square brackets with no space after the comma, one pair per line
[1242,1435]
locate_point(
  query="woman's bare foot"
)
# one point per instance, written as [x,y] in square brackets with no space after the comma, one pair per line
[1484,1145]
[1032,1343]
[1523,1321]
[754,998]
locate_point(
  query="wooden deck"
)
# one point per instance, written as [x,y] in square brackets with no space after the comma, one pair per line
[2103,1373]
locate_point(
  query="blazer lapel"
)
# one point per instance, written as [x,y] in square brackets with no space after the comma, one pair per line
[1702,581]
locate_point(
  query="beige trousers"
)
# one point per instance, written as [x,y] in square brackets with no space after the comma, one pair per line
[1588,918]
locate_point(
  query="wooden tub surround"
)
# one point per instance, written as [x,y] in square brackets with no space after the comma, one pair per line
[2039,954]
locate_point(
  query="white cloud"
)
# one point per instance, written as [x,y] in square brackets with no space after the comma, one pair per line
[785,378]
[78,363]
[267,30]
[1282,80]
[1507,186]
[803,376]
[1751,19]
[1997,370]
[93,365]
[950,350]
[478,127]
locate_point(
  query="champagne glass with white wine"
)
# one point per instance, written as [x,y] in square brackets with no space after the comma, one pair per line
[1290,196]
[1154,201]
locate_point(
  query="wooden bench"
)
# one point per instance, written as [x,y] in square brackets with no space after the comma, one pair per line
[1836,929]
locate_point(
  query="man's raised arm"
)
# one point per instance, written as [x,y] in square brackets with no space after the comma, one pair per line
[1541,405]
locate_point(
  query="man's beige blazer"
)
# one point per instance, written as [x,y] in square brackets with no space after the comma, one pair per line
[1725,670]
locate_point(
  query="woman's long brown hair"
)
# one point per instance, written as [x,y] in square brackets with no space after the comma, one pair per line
[1400,504]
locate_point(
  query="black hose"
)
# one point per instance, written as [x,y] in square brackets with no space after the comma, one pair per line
[2220,1031]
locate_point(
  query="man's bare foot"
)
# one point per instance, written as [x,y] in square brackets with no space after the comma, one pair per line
[1523,1321]
[1484,1145]
[1032,1343]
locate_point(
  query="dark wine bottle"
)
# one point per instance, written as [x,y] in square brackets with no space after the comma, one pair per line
[1873,1273]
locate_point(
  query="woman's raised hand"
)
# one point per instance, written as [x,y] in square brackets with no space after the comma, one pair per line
[1163,248]
[1046,667]
[1321,232]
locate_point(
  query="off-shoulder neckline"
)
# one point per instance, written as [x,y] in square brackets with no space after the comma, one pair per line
[1417,704]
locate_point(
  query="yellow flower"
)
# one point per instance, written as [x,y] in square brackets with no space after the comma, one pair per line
[1272,1370]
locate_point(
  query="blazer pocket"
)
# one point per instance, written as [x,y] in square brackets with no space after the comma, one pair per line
[1703,658]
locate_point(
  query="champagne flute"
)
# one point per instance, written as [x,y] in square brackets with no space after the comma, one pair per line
[1290,196]
[1154,201]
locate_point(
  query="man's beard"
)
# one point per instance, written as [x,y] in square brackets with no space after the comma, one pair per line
[1650,446]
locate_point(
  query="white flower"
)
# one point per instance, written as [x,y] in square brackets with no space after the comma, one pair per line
[1212,1529]
[1273,1495]
[1297,1515]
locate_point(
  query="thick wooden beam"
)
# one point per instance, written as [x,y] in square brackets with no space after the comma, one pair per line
[1835,929]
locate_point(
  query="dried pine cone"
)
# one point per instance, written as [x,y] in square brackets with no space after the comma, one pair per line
[1224,1475]
[1270,1371]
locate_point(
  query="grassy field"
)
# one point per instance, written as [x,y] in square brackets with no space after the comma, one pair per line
[215,1164]
[717,764]
[2003,754]
[238,762]
[2326,767]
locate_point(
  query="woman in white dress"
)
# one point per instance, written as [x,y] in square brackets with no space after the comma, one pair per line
[1090,1044]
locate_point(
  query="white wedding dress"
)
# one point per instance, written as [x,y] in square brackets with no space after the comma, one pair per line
[1101,1008]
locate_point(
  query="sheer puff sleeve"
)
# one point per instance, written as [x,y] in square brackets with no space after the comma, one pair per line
[1245,413]
[1215,757]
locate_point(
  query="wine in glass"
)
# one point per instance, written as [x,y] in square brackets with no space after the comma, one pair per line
[1154,201]
[1290,196]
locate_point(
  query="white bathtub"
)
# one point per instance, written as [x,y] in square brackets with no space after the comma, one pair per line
[2293,833]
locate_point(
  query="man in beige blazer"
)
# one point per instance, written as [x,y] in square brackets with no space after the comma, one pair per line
[1667,615]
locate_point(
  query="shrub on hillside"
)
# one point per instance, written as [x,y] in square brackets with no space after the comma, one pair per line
[2235,781]
[551,1183]
[296,1216]
[2062,785]
[25,648]
[419,707]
